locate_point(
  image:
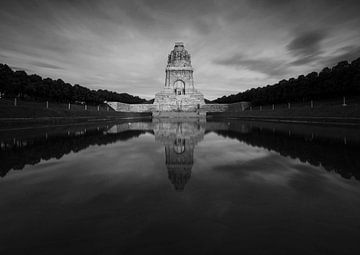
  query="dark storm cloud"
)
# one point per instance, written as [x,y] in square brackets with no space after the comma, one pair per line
[301,11]
[267,66]
[307,43]
[306,46]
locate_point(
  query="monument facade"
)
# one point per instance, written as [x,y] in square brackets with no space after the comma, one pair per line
[179,93]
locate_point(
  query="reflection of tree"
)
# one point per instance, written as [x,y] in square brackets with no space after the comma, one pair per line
[180,139]
[16,157]
[333,155]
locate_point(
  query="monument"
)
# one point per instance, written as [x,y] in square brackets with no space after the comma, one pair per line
[178,98]
[179,94]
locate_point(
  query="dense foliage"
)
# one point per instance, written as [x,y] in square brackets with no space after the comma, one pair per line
[33,87]
[341,80]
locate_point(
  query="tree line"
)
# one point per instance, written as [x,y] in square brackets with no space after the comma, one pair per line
[33,87]
[341,80]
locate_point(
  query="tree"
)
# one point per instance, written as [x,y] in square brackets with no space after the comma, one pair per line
[33,87]
[342,79]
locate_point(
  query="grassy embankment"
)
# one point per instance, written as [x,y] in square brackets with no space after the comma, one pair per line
[325,111]
[33,113]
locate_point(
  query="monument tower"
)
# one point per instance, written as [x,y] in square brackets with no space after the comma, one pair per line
[179,93]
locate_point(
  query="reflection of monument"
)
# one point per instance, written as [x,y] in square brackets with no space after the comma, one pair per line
[179,139]
[179,93]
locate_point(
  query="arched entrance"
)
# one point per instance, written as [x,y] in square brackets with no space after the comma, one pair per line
[179,87]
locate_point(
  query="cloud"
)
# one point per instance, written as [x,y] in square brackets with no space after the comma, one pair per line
[123,45]
[18,68]
[306,47]
[307,43]
[270,4]
[348,53]
[271,67]
[45,65]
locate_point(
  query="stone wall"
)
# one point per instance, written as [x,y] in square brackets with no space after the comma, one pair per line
[167,101]
[142,108]
[215,107]
[121,107]
[235,107]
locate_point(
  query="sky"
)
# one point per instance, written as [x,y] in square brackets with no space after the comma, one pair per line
[123,45]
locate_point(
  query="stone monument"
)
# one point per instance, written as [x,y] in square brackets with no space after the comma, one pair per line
[178,98]
[179,93]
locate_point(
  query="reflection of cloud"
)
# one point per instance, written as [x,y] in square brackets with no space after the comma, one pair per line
[234,160]
[219,151]
[255,165]
[272,169]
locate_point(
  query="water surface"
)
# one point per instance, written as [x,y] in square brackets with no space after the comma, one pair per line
[180,187]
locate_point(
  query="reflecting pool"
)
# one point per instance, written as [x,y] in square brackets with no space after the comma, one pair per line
[182,187]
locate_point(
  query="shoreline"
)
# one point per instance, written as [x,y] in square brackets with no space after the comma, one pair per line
[335,121]
[18,123]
